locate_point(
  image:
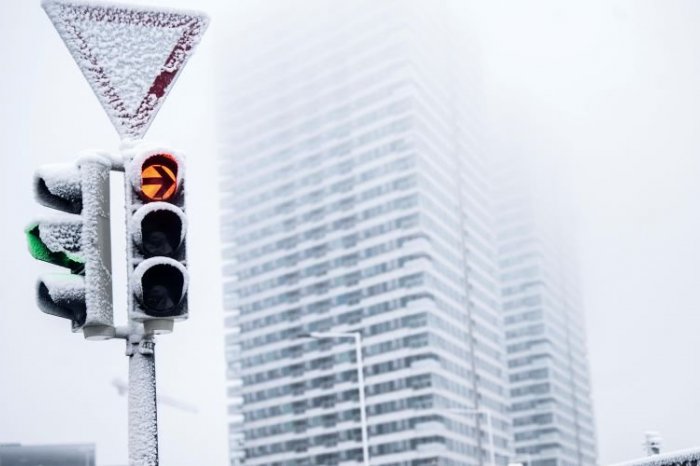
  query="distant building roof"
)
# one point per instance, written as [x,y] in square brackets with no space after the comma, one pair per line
[47,455]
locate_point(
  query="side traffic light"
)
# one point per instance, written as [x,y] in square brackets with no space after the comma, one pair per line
[78,240]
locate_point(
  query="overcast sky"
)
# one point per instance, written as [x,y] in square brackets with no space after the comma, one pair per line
[609,88]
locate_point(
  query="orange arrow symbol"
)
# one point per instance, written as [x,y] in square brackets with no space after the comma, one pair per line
[158,182]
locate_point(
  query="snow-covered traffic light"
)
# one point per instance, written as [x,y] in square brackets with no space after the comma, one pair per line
[78,240]
[158,229]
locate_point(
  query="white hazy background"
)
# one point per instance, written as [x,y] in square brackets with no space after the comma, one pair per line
[608,87]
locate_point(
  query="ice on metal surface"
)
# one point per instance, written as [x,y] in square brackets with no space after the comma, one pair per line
[96,240]
[63,287]
[62,180]
[679,457]
[143,425]
[130,56]
[143,267]
[139,215]
[62,234]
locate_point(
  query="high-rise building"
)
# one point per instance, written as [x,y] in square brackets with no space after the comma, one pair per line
[356,198]
[547,364]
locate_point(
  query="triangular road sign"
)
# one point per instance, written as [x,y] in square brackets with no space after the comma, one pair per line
[131,56]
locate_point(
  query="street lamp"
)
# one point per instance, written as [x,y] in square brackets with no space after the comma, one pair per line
[489,424]
[357,337]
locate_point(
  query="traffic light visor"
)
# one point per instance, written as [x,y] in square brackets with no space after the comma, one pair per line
[159,229]
[160,284]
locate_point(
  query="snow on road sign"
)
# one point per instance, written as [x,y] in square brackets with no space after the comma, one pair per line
[130,56]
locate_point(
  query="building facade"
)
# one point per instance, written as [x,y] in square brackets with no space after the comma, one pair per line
[551,406]
[357,196]
[356,199]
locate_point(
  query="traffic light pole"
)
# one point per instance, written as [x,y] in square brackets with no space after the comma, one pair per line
[143,414]
[148,242]
[140,348]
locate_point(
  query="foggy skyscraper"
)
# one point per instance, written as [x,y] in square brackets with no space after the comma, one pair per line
[358,197]
[548,370]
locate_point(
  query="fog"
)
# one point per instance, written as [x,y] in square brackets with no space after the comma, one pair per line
[607,89]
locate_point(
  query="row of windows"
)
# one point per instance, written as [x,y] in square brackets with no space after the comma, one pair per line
[327,420]
[527,360]
[346,203]
[325,323]
[318,215]
[301,445]
[412,341]
[350,298]
[330,421]
[319,158]
[329,459]
[329,401]
[309,105]
[296,240]
[415,402]
[326,362]
[533,374]
[346,242]
[328,322]
[525,301]
[301,406]
[334,113]
[527,330]
[269,113]
[299,388]
[396,126]
[238,204]
[351,317]
[320,269]
[519,318]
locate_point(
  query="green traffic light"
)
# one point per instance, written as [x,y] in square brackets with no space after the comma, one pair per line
[39,250]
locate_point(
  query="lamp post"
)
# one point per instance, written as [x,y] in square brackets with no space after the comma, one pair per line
[489,424]
[357,337]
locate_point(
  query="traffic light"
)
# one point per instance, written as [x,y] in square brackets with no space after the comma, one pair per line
[158,230]
[78,240]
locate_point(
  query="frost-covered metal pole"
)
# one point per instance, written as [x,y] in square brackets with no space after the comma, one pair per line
[143,414]
[143,406]
[94,173]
